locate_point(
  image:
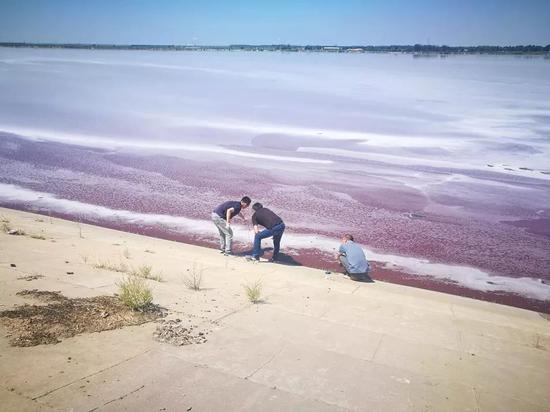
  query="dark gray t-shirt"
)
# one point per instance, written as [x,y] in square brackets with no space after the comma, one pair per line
[355,257]
[266,218]
[221,210]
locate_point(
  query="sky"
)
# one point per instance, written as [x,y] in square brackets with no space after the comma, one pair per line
[344,22]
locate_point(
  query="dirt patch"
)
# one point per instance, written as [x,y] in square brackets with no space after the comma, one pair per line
[61,317]
[178,334]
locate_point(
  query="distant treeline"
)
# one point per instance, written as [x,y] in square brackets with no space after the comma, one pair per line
[416,48]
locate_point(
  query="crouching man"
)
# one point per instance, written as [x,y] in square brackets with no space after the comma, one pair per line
[274,227]
[222,215]
[352,258]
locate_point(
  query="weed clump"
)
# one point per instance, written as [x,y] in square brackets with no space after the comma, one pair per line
[193,280]
[134,293]
[126,253]
[146,272]
[5,224]
[254,291]
[114,267]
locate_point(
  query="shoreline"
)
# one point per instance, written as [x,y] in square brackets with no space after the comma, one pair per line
[315,259]
[404,348]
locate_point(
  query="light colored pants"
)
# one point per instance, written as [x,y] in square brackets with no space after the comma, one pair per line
[226,233]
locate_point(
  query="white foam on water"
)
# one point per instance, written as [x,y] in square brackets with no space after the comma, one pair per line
[469,277]
[406,160]
[120,143]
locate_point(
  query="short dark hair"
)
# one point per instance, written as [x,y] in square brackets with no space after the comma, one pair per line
[246,200]
[257,206]
[348,236]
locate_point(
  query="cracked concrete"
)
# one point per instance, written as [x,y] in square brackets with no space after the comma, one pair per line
[315,344]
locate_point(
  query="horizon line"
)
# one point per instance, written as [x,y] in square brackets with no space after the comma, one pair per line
[3,43]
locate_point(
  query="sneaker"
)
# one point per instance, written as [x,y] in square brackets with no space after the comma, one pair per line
[252,258]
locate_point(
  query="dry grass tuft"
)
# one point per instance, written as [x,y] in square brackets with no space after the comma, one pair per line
[112,266]
[5,226]
[254,291]
[193,280]
[146,272]
[126,253]
[39,237]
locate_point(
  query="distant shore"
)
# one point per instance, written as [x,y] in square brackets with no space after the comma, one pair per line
[415,49]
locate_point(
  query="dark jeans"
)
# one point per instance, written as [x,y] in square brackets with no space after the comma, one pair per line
[277,233]
[358,277]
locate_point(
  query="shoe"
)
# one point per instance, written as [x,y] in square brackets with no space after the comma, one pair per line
[272,260]
[228,254]
[252,258]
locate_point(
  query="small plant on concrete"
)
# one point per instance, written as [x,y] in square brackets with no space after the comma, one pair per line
[146,272]
[254,291]
[114,267]
[39,237]
[6,226]
[84,258]
[134,293]
[80,235]
[126,253]
[194,279]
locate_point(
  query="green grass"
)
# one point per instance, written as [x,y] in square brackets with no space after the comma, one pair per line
[254,291]
[146,272]
[134,293]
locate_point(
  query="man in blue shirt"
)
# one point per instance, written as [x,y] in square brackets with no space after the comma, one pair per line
[222,215]
[352,258]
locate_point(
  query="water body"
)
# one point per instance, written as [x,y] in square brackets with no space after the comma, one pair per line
[439,166]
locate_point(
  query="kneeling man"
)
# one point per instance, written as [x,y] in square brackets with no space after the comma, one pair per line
[274,226]
[352,258]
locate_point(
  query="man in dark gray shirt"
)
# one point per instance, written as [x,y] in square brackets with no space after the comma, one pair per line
[274,226]
[352,258]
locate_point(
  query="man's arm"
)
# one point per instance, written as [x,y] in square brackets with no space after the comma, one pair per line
[256,229]
[228,215]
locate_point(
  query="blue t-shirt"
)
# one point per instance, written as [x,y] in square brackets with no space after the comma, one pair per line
[221,210]
[355,257]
